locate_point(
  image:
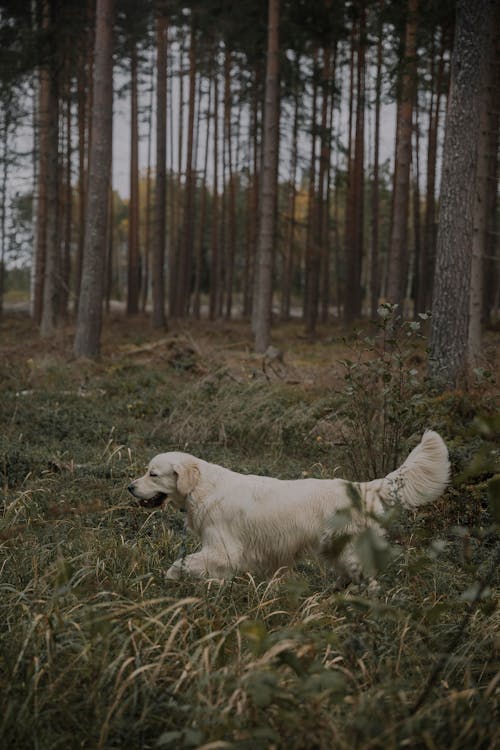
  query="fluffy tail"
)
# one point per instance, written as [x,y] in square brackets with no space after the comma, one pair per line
[422,478]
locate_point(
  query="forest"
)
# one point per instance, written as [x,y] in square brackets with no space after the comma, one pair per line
[268,185]
[265,233]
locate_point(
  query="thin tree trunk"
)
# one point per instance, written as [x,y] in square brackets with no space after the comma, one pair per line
[160,204]
[3,199]
[288,259]
[353,300]
[85,99]
[203,212]
[231,207]
[349,187]
[311,265]
[88,328]
[427,258]
[186,259]
[417,252]
[52,279]
[263,301]
[176,238]
[375,202]
[134,260]
[41,234]
[324,188]
[110,224]
[66,258]
[214,265]
[147,226]
[399,232]
[253,205]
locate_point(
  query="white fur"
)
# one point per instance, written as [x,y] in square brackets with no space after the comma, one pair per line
[255,523]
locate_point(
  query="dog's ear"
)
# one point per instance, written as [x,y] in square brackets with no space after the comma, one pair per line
[188,476]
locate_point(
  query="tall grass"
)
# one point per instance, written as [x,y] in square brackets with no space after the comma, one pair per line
[98,650]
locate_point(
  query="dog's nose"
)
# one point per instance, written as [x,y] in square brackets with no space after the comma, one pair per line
[130,488]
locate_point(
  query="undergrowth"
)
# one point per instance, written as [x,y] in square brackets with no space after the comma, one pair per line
[98,650]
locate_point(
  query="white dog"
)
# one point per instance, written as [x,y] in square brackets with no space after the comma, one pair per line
[255,523]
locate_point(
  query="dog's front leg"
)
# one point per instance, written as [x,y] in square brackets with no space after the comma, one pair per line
[203,564]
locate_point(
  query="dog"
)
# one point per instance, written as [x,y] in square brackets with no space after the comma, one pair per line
[253,523]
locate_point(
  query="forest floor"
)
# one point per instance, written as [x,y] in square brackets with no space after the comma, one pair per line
[100,651]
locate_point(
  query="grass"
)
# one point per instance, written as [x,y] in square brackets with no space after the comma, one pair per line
[98,650]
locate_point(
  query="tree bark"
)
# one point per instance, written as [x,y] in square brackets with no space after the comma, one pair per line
[186,259]
[428,255]
[288,256]
[134,260]
[231,207]
[159,239]
[214,250]
[263,301]
[41,218]
[88,327]
[396,281]
[311,265]
[203,213]
[481,214]
[472,53]
[375,196]
[353,297]
[52,277]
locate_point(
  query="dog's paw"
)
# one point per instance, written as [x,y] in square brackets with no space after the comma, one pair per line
[373,589]
[174,572]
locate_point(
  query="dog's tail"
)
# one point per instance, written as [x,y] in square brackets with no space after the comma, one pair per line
[421,479]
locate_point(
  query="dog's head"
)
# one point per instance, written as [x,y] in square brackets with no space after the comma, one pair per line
[170,477]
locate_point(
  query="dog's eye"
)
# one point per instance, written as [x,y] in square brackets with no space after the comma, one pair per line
[153,474]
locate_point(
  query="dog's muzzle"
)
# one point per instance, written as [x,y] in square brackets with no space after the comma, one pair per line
[150,502]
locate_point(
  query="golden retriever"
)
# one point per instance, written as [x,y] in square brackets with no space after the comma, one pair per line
[257,523]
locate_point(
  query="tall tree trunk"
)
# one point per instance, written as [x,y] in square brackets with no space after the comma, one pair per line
[110,222]
[288,256]
[88,327]
[349,186]
[67,213]
[41,219]
[417,243]
[253,202]
[484,187]
[52,278]
[134,260]
[492,249]
[375,196]
[263,300]
[214,254]
[427,257]
[160,225]
[3,199]
[327,189]
[353,298]
[203,212]
[311,265]
[451,307]
[83,84]
[231,205]
[186,259]
[396,281]
[146,227]
[175,290]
